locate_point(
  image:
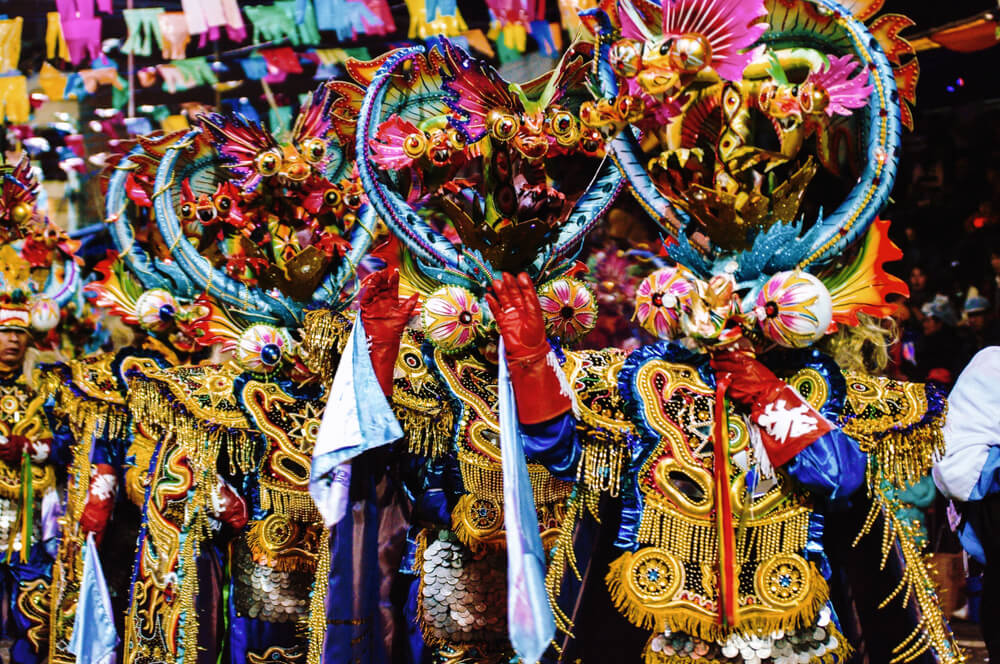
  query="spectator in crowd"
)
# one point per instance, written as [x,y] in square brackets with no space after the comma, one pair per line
[979,328]
[969,474]
[938,351]
[920,291]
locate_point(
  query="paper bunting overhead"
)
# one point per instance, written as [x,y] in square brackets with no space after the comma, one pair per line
[206,17]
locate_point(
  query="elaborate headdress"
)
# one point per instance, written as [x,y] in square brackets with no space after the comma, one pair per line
[254,233]
[477,175]
[759,99]
[38,271]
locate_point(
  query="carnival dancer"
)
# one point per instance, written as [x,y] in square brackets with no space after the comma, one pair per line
[39,277]
[520,178]
[233,557]
[146,307]
[28,500]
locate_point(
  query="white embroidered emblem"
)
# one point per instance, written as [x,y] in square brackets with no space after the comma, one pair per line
[782,422]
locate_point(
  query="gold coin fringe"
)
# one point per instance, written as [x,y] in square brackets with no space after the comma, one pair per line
[705,626]
[932,631]
[430,638]
[835,656]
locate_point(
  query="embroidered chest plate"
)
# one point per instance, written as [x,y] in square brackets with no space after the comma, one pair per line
[671,579]
[478,516]
[290,423]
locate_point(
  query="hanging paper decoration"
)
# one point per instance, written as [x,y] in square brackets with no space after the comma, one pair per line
[569,13]
[280,62]
[10,43]
[542,32]
[147,76]
[55,43]
[174,79]
[53,82]
[173,123]
[421,27]
[271,23]
[174,30]
[306,29]
[74,87]
[381,10]
[254,68]
[205,17]
[94,78]
[478,41]
[80,28]
[432,8]
[349,19]
[243,107]
[198,70]
[14,99]
[143,27]
[511,41]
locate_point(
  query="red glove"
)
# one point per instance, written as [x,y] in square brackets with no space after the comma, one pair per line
[11,449]
[540,394]
[228,506]
[100,500]
[384,318]
[787,423]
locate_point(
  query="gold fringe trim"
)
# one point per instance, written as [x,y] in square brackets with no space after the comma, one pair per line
[898,424]
[563,557]
[317,600]
[160,413]
[108,416]
[679,616]
[428,434]
[696,540]
[601,466]
[903,458]
[932,631]
[483,478]
[324,336]
[291,503]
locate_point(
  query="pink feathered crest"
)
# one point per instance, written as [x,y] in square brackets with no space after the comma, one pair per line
[729,26]
[846,92]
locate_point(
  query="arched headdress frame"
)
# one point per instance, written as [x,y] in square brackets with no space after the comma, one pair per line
[252,304]
[781,247]
[439,258]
